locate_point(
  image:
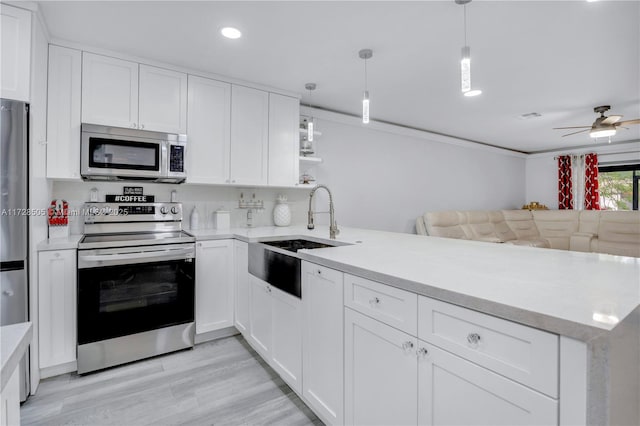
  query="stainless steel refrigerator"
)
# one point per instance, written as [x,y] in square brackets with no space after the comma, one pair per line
[14,202]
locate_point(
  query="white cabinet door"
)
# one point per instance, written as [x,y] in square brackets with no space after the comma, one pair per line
[286,349]
[10,400]
[57,307]
[284,118]
[454,391]
[380,373]
[241,262]
[63,113]
[322,334]
[249,135]
[109,91]
[214,285]
[163,100]
[208,131]
[15,24]
[261,328]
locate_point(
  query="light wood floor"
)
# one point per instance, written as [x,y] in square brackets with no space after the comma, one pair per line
[222,382]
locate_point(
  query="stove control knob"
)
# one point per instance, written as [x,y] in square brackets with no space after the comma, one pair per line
[175,210]
[164,209]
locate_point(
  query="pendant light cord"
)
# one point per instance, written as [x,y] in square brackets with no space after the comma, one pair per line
[365,75]
[465,24]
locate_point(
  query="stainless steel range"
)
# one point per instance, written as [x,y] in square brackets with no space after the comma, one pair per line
[136,281]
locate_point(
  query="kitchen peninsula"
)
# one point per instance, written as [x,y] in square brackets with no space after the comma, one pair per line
[591,301]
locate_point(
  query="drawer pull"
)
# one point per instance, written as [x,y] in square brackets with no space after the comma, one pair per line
[406,346]
[473,339]
[268,289]
[375,301]
[422,352]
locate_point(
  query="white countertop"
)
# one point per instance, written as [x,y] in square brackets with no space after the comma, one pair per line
[554,290]
[14,340]
[70,242]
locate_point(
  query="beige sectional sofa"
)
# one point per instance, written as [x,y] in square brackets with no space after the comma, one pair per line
[612,232]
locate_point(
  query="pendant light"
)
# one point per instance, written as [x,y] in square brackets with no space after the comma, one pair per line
[310,87]
[465,62]
[365,54]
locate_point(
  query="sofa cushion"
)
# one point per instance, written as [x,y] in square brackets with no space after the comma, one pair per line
[481,227]
[619,233]
[502,230]
[589,220]
[446,224]
[556,226]
[522,224]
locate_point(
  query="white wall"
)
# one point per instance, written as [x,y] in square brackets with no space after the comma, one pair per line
[384,176]
[207,199]
[542,169]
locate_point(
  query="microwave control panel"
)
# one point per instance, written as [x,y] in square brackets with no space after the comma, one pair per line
[176,159]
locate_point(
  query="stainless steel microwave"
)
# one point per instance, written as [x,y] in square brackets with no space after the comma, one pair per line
[115,153]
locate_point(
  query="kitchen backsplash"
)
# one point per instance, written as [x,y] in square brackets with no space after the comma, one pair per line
[207,199]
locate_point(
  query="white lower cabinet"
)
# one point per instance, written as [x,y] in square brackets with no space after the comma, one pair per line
[260,331]
[286,343]
[322,352]
[454,391]
[57,307]
[276,331]
[241,278]
[214,285]
[10,400]
[381,373]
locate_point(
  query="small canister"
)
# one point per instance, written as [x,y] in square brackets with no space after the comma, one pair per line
[221,219]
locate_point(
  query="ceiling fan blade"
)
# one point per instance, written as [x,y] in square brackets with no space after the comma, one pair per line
[611,119]
[628,122]
[574,127]
[575,133]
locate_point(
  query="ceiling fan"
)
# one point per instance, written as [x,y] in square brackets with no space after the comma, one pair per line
[603,126]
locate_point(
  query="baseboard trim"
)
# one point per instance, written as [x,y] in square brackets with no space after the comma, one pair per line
[57,370]
[216,334]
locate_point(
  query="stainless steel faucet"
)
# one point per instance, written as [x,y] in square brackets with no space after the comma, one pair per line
[333,226]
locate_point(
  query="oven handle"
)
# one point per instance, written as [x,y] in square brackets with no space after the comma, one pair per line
[135,257]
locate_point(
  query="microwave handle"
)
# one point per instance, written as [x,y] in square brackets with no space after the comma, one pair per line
[164,166]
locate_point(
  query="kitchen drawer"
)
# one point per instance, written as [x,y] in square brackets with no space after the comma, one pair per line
[524,354]
[392,306]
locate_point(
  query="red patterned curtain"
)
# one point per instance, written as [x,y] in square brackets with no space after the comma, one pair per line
[591,193]
[565,197]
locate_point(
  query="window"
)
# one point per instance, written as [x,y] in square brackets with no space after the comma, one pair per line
[619,186]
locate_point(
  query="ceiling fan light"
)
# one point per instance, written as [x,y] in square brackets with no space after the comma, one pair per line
[603,132]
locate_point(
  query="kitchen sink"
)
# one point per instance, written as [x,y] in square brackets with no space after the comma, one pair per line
[281,268]
[295,245]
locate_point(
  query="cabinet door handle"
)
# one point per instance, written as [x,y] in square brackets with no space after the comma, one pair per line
[8,293]
[473,339]
[375,301]
[142,126]
[199,244]
[57,254]
[408,345]
[422,352]
[134,126]
[268,289]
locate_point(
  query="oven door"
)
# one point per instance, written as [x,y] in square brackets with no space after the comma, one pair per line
[123,291]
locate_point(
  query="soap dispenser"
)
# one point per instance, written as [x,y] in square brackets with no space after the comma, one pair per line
[194,222]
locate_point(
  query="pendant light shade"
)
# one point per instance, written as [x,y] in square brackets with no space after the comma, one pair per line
[465,61]
[365,54]
[310,87]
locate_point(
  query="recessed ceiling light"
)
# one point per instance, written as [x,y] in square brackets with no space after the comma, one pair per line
[230,32]
[475,92]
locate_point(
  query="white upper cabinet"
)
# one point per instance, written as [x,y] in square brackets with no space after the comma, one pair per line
[284,112]
[109,91]
[124,94]
[249,135]
[208,131]
[163,100]
[15,24]
[63,113]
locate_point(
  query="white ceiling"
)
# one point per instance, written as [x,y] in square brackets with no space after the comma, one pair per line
[557,58]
